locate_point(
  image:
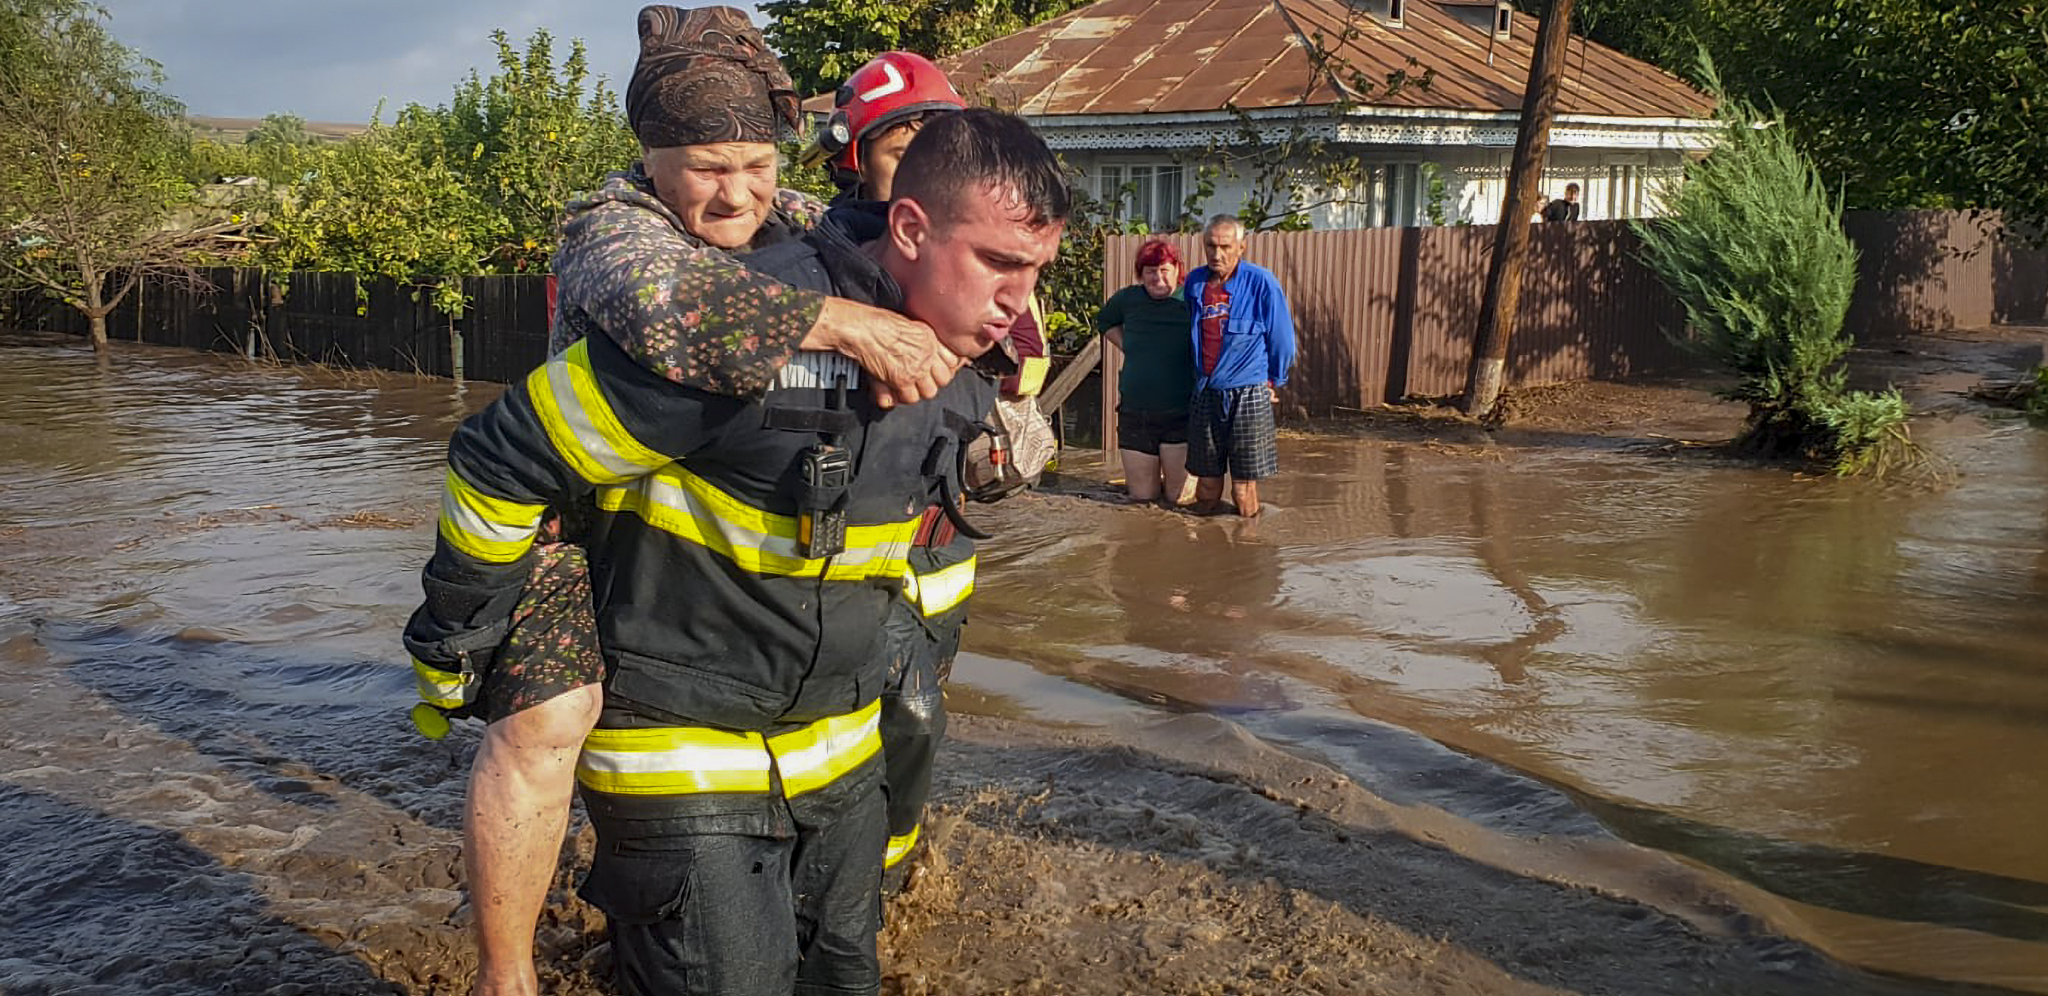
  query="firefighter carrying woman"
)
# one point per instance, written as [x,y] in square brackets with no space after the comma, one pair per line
[766,478]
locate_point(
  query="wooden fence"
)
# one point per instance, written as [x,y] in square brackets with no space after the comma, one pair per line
[322,318]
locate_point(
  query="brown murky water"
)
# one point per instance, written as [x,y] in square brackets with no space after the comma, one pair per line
[1834,694]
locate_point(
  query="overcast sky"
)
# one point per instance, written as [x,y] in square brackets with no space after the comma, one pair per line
[331,60]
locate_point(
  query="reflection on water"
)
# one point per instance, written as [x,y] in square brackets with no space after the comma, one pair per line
[1835,691]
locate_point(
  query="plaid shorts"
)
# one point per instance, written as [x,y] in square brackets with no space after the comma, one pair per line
[1232,430]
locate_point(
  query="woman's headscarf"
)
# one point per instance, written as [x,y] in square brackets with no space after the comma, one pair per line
[705,76]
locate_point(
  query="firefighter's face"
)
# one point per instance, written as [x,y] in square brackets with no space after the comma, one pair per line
[722,192]
[971,275]
[879,156]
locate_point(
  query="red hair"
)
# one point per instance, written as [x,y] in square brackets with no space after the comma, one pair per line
[1157,252]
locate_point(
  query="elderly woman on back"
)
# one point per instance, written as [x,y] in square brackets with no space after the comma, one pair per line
[1148,320]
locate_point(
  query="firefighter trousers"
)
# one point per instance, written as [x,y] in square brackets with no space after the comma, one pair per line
[913,719]
[697,912]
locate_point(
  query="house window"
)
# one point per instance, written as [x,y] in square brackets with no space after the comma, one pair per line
[1624,191]
[1389,196]
[1395,10]
[1146,192]
[1503,20]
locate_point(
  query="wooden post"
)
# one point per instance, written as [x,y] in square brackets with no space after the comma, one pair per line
[454,350]
[456,366]
[1055,394]
[1511,238]
[274,329]
[1112,364]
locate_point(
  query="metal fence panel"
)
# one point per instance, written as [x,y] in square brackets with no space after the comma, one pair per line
[1384,314]
[1380,314]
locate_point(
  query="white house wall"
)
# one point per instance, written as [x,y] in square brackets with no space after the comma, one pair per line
[1621,165]
[1620,183]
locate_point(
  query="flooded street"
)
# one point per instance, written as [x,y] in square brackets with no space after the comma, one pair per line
[1829,699]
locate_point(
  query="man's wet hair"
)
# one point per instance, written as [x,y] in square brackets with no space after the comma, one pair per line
[955,155]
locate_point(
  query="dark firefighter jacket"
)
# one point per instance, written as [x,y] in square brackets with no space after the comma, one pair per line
[737,668]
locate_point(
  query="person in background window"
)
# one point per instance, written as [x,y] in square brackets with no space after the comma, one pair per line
[1565,208]
[1149,321]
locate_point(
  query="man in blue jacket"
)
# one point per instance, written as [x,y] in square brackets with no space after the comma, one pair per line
[1244,346]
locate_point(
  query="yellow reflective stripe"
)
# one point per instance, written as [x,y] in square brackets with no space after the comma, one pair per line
[900,847]
[944,589]
[673,760]
[487,528]
[1031,374]
[440,688]
[678,502]
[580,422]
[818,754]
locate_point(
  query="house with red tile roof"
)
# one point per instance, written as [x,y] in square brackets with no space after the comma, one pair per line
[1139,94]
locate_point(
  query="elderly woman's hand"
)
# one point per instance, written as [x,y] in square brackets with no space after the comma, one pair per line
[903,357]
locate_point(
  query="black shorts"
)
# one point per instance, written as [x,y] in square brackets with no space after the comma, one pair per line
[1146,431]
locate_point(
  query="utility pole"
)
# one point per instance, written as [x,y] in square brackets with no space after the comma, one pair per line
[1511,238]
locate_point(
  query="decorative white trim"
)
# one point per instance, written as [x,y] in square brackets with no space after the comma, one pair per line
[1365,126]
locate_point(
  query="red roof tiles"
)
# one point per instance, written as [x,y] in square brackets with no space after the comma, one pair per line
[1162,56]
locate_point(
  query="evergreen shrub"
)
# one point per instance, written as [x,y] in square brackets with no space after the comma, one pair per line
[1753,248]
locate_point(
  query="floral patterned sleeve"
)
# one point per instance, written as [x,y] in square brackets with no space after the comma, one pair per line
[625,268]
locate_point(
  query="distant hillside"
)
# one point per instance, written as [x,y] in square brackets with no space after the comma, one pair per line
[237,129]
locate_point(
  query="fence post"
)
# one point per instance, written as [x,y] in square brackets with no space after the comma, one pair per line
[273,314]
[455,368]
[1112,362]
[454,350]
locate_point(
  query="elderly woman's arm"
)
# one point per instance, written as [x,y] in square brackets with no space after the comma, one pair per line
[696,316]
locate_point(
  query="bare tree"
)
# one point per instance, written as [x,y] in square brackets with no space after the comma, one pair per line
[94,196]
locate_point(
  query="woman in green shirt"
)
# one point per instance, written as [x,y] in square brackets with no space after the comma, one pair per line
[1149,321]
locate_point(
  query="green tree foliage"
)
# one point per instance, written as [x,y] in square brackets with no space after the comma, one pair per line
[470,187]
[823,41]
[279,131]
[526,140]
[1901,103]
[94,161]
[1754,251]
[384,203]
[814,179]
[1072,284]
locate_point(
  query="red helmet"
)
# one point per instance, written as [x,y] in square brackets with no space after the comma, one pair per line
[893,87]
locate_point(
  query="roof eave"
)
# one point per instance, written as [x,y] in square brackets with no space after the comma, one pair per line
[1367,126]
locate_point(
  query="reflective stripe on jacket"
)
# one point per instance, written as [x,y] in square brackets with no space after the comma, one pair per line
[675,760]
[729,653]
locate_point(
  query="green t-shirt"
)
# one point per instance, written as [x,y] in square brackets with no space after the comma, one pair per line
[1159,355]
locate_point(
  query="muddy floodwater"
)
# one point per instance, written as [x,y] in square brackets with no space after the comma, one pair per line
[1828,700]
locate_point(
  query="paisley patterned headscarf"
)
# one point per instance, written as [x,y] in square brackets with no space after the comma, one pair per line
[705,76]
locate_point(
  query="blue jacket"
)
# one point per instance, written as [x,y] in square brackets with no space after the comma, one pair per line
[1258,333]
